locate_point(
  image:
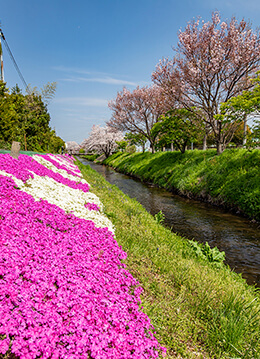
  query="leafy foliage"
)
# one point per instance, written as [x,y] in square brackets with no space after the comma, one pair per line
[239,107]
[136,139]
[131,149]
[205,252]
[159,217]
[179,127]
[121,145]
[25,118]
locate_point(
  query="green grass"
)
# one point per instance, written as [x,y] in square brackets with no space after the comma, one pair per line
[199,309]
[28,153]
[90,157]
[231,179]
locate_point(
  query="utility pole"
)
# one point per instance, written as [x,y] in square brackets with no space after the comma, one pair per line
[1,56]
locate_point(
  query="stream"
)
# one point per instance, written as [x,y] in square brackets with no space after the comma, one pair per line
[237,236]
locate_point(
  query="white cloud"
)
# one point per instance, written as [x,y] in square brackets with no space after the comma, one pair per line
[82,101]
[94,76]
[105,80]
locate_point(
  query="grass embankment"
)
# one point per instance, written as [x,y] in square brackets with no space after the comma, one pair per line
[231,179]
[199,309]
[28,153]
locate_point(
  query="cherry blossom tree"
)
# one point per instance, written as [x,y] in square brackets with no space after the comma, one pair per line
[138,111]
[102,140]
[72,147]
[214,61]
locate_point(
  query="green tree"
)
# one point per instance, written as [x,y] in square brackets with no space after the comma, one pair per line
[25,118]
[55,142]
[121,145]
[136,139]
[8,116]
[238,108]
[179,127]
[239,134]
[35,126]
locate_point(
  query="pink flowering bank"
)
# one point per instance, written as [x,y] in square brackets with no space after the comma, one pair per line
[23,167]
[64,291]
[66,163]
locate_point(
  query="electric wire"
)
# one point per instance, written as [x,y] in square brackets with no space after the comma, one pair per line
[13,59]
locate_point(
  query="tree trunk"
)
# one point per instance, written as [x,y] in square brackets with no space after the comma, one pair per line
[172,148]
[183,147]
[244,134]
[25,143]
[219,148]
[205,142]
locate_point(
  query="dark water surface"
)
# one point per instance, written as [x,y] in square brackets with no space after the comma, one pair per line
[238,237]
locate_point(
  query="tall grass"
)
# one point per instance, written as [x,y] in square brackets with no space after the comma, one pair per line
[199,309]
[231,179]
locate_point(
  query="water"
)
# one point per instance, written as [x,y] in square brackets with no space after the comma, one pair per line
[237,236]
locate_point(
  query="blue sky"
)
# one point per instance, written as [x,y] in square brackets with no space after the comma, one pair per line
[94,48]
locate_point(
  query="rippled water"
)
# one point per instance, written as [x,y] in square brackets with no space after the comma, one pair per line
[238,237]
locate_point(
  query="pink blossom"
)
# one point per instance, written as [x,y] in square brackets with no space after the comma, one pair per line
[64,291]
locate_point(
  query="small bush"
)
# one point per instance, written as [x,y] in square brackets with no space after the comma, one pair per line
[131,149]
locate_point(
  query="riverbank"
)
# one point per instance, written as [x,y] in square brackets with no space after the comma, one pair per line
[230,180]
[200,309]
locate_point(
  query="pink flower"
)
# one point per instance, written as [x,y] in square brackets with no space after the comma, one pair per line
[64,292]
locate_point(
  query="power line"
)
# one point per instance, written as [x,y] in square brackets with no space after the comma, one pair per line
[13,59]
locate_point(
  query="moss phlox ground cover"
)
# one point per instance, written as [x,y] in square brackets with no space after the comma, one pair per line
[64,290]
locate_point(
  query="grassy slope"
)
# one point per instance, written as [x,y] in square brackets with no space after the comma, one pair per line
[28,153]
[198,310]
[231,179]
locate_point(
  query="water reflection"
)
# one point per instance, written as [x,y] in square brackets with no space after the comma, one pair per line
[238,237]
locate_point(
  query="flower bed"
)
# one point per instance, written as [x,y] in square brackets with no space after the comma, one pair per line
[64,291]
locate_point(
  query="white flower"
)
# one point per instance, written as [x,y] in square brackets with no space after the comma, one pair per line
[69,199]
[52,167]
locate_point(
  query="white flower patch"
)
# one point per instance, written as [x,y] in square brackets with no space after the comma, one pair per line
[70,199]
[64,161]
[62,172]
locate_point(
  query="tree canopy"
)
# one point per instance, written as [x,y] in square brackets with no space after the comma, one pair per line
[137,111]
[179,127]
[239,107]
[213,62]
[25,118]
